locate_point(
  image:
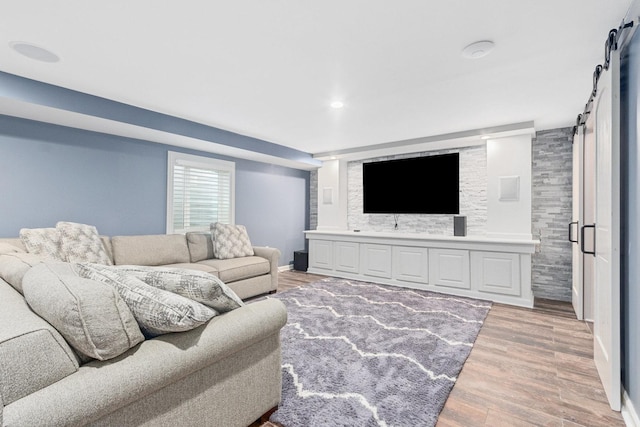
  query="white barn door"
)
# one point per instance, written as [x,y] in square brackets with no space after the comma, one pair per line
[606,325]
[577,288]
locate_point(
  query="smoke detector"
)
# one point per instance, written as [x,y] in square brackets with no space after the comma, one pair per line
[478,49]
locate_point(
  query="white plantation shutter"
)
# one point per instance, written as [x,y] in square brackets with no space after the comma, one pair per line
[200,190]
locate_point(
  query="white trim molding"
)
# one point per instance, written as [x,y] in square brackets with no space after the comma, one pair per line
[287,267]
[629,413]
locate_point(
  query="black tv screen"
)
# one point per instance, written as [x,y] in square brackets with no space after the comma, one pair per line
[418,185]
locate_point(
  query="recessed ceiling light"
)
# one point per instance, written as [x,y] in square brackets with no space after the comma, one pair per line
[485,137]
[337,104]
[478,49]
[34,52]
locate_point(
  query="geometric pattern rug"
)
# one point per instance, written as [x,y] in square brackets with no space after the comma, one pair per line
[362,354]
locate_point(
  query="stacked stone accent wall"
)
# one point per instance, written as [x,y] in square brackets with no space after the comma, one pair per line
[313,200]
[473,197]
[551,203]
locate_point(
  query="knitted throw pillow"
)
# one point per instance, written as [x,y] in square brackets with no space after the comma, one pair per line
[230,241]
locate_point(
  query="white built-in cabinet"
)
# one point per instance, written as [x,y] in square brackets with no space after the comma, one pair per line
[487,268]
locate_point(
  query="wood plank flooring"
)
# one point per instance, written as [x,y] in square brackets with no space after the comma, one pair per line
[528,367]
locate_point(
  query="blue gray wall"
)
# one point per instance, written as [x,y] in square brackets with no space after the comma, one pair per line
[630,247]
[50,173]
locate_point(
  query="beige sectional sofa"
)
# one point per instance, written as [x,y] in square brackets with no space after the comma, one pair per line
[247,276]
[223,373]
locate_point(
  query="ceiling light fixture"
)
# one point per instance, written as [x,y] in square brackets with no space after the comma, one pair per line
[337,104]
[478,49]
[485,137]
[34,52]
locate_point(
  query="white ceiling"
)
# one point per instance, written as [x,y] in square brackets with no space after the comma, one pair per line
[270,69]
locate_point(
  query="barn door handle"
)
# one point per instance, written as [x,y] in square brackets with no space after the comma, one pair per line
[593,252]
[570,231]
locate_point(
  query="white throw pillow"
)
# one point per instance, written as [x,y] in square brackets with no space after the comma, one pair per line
[42,241]
[81,243]
[230,241]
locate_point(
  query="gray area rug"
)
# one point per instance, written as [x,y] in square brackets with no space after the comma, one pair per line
[363,354]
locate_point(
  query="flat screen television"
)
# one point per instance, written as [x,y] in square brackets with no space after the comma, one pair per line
[418,185]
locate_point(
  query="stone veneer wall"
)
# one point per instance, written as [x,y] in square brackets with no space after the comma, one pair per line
[551,207]
[473,197]
[313,200]
[551,204]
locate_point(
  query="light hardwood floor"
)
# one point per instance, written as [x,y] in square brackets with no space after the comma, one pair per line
[528,367]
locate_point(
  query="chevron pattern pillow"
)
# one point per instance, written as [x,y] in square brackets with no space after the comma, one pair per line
[43,241]
[230,241]
[81,243]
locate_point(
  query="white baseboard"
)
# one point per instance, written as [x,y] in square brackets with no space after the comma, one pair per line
[285,267]
[629,413]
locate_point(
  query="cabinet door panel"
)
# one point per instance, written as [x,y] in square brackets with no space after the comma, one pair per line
[347,257]
[376,260]
[411,264]
[321,254]
[495,272]
[449,268]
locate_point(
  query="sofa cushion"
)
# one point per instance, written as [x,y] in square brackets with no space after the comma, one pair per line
[90,315]
[231,270]
[230,241]
[200,245]
[8,248]
[106,243]
[13,267]
[194,266]
[157,249]
[195,285]
[81,243]
[157,311]
[13,241]
[33,354]
[42,241]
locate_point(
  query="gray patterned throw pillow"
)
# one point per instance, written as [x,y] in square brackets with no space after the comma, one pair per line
[157,311]
[42,241]
[82,243]
[196,285]
[230,241]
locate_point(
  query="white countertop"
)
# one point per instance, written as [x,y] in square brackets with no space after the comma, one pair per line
[427,240]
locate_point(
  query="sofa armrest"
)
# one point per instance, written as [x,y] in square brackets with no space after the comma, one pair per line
[100,388]
[273,256]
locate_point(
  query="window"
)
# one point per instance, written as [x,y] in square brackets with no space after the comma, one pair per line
[200,190]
